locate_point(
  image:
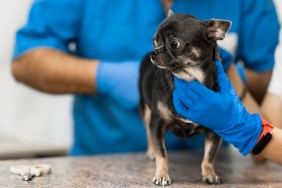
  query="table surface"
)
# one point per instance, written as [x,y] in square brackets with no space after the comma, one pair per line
[133,170]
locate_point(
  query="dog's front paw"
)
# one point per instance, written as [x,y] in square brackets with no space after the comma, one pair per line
[162,180]
[212,179]
[208,174]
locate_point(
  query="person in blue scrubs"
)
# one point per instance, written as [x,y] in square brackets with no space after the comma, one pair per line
[93,50]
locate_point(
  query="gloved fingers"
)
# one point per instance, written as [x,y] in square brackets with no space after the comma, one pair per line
[220,70]
[182,87]
[180,107]
[194,90]
[226,57]
[222,79]
[197,90]
[188,101]
[180,84]
[185,111]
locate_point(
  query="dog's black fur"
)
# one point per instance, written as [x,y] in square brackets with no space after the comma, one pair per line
[185,47]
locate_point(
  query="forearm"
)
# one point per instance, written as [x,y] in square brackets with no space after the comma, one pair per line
[56,72]
[273,150]
[257,90]
[272,108]
[248,100]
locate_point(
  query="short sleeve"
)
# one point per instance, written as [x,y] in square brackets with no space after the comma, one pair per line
[258,35]
[51,23]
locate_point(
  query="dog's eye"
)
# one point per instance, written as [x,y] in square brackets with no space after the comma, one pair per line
[174,44]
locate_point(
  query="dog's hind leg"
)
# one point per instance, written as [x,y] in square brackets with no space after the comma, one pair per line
[158,129]
[212,145]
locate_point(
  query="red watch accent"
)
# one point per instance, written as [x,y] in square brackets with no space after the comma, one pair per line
[264,138]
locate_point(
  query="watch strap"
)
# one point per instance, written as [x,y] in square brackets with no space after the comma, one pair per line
[264,137]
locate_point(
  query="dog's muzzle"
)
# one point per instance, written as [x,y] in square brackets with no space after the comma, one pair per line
[156,52]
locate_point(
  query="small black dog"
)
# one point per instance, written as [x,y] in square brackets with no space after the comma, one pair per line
[184,47]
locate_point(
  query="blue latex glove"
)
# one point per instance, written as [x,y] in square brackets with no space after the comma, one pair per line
[226,58]
[220,111]
[119,80]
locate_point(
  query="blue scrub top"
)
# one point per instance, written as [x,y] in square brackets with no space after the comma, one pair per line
[113,30]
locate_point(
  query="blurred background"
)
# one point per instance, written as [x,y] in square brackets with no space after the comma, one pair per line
[32,124]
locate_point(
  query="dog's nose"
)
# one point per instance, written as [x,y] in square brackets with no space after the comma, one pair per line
[157,51]
[154,53]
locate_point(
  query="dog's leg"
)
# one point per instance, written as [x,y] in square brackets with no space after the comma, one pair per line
[158,129]
[212,145]
[146,118]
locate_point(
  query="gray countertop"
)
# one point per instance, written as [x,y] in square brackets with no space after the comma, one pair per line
[133,170]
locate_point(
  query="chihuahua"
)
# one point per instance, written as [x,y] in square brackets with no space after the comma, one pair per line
[184,47]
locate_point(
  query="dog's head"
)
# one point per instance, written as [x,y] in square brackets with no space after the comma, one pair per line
[183,44]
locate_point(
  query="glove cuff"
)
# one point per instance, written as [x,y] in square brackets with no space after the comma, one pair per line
[243,135]
[104,72]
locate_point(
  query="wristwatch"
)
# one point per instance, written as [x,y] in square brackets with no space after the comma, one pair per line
[264,137]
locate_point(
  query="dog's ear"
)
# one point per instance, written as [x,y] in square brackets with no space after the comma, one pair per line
[217,29]
[170,13]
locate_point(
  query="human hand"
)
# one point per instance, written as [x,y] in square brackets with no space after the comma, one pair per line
[220,111]
[119,80]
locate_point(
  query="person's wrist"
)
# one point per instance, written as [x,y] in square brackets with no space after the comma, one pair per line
[103,73]
[264,138]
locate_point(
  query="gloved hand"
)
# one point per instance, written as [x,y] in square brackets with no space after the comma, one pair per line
[119,80]
[220,111]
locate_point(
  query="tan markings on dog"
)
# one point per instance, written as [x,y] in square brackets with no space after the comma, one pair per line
[158,47]
[165,112]
[191,73]
[208,172]
[208,146]
[147,115]
[196,73]
[184,120]
[220,33]
[147,119]
[184,76]
[161,177]
[196,52]
[187,60]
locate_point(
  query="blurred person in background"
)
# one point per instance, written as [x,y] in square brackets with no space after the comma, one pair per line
[93,50]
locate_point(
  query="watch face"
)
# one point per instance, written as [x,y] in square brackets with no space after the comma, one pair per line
[262,143]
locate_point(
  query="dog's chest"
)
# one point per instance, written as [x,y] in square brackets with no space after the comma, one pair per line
[191,73]
[173,120]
